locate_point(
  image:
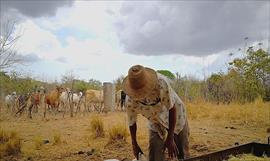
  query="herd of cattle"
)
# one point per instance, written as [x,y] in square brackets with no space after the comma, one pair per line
[60,99]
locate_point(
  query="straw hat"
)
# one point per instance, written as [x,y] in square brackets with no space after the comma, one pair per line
[139,82]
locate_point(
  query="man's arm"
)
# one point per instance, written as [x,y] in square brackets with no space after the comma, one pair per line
[172,121]
[169,143]
[135,146]
[133,132]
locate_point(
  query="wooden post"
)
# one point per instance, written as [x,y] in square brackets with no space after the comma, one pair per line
[70,100]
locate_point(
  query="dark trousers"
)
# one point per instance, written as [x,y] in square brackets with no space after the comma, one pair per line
[156,145]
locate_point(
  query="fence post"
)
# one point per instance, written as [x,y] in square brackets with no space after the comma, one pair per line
[108,96]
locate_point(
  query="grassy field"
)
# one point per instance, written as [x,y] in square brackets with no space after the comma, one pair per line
[213,127]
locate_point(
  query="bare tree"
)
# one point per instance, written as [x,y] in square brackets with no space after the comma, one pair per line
[118,82]
[8,54]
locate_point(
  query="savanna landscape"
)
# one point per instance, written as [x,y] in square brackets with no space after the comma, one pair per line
[213,127]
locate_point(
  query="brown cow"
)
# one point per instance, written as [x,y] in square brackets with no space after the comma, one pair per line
[52,99]
[36,100]
[94,98]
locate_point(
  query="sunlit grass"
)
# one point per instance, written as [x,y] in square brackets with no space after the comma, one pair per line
[10,143]
[247,114]
[97,127]
[118,132]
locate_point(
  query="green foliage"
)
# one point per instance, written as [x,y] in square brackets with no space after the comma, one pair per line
[215,83]
[95,84]
[80,85]
[188,88]
[17,82]
[167,73]
[247,79]
[254,71]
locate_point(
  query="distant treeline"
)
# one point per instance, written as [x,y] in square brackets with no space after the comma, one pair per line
[22,85]
[246,79]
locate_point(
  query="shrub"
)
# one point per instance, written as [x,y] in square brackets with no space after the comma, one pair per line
[56,138]
[10,143]
[118,132]
[97,127]
[38,142]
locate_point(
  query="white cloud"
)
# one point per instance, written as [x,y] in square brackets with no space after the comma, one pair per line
[101,56]
[190,28]
[36,40]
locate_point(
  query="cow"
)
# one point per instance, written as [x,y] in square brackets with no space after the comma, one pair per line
[64,98]
[52,99]
[77,97]
[36,100]
[68,98]
[94,99]
[22,102]
[10,101]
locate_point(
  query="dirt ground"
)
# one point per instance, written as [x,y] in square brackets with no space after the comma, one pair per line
[208,134]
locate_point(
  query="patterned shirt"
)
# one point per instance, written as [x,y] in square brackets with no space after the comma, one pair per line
[158,113]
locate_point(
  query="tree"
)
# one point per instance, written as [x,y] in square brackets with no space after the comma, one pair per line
[95,84]
[80,85]
[118,83]
[254,68]
[215,83]
[8,53]
[167,73]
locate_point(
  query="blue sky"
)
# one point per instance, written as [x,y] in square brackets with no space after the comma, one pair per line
[101,40]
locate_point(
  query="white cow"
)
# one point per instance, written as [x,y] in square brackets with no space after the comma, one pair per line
[64,100]
[10,101]
[77,98]
[67,98]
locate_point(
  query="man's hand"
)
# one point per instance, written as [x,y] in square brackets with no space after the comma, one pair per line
[136,150]
[171,146]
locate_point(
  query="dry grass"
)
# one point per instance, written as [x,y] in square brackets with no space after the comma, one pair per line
[247,114]
[10,143]
[248,157]
[207,122]
[118,132]
[97,127]
[56,138]
[38,142]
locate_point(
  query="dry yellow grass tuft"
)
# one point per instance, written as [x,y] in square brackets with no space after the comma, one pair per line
[38,142]
[97,127]
[118,132]
[56,138]
[10,143]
